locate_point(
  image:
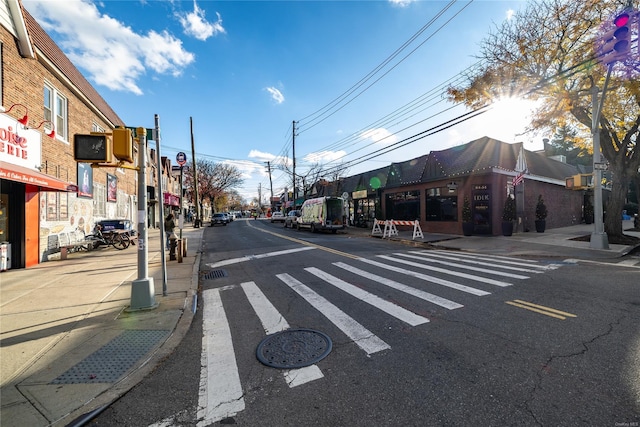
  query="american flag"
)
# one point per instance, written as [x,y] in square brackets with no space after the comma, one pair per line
[518,179]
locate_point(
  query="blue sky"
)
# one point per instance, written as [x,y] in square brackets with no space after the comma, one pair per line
[356,76]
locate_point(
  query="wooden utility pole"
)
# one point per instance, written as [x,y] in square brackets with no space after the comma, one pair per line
[198,220]
[294,163]
[270,182]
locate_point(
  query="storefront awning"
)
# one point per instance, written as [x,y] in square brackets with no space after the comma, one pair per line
[28,176]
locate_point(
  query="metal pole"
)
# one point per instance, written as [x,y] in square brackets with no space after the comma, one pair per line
[163,255]
[181,206]
[142,289]
[599,239]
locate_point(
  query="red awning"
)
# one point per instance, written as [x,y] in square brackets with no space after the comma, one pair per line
[28,176]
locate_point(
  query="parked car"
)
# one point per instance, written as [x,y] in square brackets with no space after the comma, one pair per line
[277,216]
[219,218]
[291,220]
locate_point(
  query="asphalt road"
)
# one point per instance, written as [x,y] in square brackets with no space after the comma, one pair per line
[513,342]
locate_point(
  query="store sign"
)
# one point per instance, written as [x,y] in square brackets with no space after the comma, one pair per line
[360,194]
[19,146]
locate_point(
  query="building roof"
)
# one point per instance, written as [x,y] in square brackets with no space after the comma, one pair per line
[52,52]
[482,155]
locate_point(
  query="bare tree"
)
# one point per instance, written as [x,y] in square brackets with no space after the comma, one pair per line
[547,52]
[214,180]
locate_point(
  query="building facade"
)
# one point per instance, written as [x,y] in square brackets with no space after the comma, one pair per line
[431,189]
[45,102]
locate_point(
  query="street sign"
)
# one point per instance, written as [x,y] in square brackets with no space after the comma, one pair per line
[601,166]
[181,158]
[150,133]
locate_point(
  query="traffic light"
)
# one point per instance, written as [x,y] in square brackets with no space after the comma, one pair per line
[94,148]
[579,182]
[123,144]
[616,42]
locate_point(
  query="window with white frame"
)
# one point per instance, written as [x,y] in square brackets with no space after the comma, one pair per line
[55,110]
[99,200]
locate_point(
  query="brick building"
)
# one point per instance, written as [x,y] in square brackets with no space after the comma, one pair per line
[431,188]
[44,192]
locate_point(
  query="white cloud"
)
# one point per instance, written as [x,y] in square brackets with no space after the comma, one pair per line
[276,95]
[510,14]
[401,3]
[379,135]
[324,156]
[195,24]
[112,54]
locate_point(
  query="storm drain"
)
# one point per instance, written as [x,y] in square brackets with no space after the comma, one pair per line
[293,348]
[114,359]
[214,274]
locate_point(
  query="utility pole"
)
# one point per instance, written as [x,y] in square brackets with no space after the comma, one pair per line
[294,163]
[198,220]
[270,182]
[163,256]
[260,197]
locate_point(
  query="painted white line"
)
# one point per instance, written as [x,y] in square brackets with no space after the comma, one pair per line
[258,256]
[442,302]
[493,264]
[445,271]
[425,258]
[220,393]
[503,260]
[364,338]
[428,278]
[272,322]
[296,377]
[374,300]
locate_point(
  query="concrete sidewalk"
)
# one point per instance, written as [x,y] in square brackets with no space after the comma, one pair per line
[69,346]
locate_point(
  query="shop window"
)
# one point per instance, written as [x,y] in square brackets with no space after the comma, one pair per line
[442,208]
[404,206]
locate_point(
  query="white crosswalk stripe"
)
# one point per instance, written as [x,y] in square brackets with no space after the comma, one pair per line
[432,279]
[447,271]
[458,265]
[501,259]
[471,261]
[382,304]
[220,389]
[364,338]
[442,302]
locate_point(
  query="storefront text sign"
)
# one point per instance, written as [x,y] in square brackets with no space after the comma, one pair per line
[19,146]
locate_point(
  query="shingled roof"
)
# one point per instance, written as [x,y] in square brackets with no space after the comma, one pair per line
[480,156]
[48,48]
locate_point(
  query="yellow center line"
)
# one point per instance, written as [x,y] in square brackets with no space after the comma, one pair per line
[302,242]
[547,311]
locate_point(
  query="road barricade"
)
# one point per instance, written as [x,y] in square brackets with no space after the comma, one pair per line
[390,228]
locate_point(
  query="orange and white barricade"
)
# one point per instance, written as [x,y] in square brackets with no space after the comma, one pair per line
[376,231]
[390,228]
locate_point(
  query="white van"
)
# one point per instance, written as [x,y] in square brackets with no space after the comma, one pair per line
[322,213]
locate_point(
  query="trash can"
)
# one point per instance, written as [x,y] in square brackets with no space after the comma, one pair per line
[5,256]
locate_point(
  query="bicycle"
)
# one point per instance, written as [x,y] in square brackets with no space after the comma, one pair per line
[116,239]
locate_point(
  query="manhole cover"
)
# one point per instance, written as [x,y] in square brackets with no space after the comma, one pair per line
[293,348]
